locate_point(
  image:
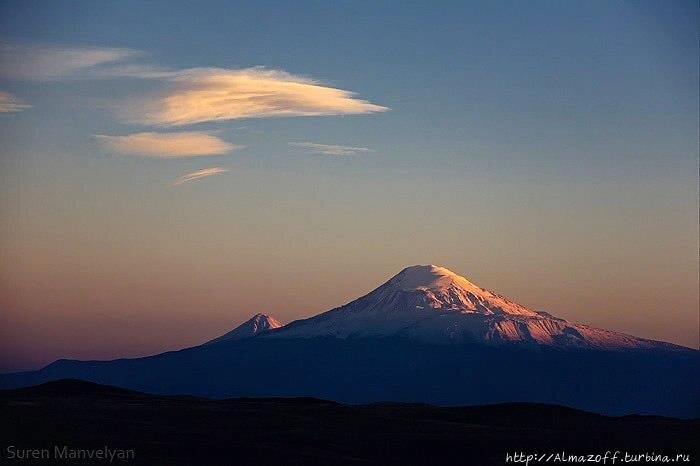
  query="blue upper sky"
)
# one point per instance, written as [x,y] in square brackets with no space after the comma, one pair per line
[561,86]
[532,146]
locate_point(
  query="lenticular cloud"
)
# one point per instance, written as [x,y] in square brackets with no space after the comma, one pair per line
[167,145]
[203,95]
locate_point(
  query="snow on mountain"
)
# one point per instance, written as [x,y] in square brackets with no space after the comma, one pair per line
[256,325]
[425,336]
[432,304]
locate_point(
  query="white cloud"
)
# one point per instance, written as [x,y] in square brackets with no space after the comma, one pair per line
[199,174]
[201,95]
[195,95]
[10,103]
[39,62]
[167,145]
[330,149]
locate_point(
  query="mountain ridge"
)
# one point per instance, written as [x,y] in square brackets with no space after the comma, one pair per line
[425,336]
[431,303]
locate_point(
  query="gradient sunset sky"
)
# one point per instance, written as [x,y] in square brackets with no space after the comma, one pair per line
[168,169]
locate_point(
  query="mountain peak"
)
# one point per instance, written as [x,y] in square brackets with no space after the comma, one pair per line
[267,321]
[257,324]
[434,305]
[429,277]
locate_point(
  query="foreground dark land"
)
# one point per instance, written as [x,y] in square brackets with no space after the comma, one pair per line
[305,431]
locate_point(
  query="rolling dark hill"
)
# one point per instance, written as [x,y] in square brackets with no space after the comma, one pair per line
[305,431]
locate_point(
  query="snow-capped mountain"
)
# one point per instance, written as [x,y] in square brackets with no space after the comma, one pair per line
[434,305]
[256,325]
[427,335]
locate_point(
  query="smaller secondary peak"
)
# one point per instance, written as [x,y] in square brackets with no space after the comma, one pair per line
[265,320]
[259,323]
[428,277]
[256,325]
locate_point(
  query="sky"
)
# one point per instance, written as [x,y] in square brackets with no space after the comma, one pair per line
[168,169]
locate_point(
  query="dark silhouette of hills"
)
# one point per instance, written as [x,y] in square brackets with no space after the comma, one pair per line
[72,387]
[176,430]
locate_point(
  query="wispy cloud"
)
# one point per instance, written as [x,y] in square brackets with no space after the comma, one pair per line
[167,145]
[191,95]
[40,62]
[201,95]
[199,174]
[330,149]
[10,103]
